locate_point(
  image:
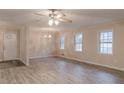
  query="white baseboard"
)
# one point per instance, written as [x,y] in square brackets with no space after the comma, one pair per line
[10,59]
[94,63]
[42,57]
[22,61]
[17,59]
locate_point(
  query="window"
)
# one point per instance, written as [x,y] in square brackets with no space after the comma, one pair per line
[62,42]
[105,42]
[78,42]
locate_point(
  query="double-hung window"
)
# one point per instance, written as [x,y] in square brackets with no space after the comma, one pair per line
[78,42]
[105,42]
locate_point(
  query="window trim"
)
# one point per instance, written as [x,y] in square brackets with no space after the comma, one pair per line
[75,41]
[98,41]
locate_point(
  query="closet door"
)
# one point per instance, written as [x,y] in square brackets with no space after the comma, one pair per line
[10,45]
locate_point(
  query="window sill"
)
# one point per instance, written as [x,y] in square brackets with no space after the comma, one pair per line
[106,54]
[78,51]
[61,49]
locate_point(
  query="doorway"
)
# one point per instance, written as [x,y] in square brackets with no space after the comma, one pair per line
[9,46]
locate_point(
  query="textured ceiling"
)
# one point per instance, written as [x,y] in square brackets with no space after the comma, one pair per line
[81,17]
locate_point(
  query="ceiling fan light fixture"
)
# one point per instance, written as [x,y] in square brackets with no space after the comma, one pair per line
[52,15]
[56,22]
[50,22]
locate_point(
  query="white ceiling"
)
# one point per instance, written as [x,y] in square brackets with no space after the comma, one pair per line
[81,17]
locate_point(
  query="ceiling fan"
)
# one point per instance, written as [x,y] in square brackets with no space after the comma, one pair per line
[55,16]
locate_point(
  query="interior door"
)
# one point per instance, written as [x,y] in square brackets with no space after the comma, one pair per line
[10,45]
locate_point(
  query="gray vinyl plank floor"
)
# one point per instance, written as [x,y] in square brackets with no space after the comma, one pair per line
[58,71]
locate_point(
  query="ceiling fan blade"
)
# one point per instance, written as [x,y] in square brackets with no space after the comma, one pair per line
[59,14]
[62,13]
[40,14]
[65,20]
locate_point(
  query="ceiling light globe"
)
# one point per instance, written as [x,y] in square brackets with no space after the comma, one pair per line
[56,22]
[49,36]
[50,22]
[45,36]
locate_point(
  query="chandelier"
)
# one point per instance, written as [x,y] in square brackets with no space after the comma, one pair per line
[48,36]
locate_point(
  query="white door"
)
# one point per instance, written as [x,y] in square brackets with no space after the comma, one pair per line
[10,45]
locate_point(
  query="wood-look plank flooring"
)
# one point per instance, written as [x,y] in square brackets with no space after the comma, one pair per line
[57,71]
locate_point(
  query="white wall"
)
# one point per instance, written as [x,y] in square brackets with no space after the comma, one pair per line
[90,52]
[39,46]
[24,45]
